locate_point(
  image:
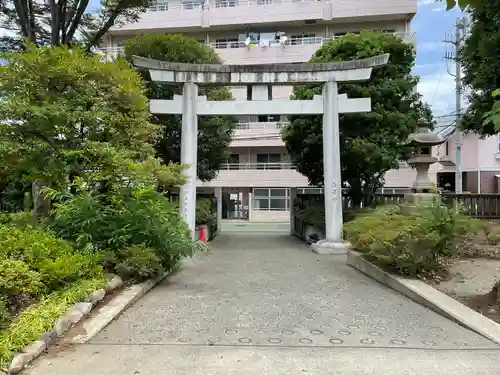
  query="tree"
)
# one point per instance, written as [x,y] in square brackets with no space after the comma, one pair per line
[215,132]
[63,22]
[66,116]
[371,143]
[479,57]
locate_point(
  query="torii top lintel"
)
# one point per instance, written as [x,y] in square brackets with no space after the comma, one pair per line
[216,74]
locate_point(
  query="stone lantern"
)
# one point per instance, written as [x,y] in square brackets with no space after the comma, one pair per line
[422,141]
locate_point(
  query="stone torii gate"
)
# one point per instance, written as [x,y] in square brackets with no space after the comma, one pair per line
[259,79]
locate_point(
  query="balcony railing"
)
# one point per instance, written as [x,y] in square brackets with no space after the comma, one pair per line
[163,6]
[408,37]
[269,43]
[260,125]
[256,166]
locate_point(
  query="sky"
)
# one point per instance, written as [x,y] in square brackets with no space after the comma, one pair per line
[432,25]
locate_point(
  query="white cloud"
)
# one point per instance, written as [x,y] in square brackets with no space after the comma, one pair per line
[438,89]
[430,46]
[438,9]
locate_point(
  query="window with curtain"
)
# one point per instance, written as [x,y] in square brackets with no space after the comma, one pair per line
[271,199]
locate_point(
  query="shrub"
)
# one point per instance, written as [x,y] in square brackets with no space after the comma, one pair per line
[311,210]
[16,278]
[204,213]
[136,262]
[123,218]
[39,317]
[18,219]
[409,245]
[5,316]
[53,259]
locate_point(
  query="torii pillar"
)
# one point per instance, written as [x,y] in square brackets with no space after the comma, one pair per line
[260,77]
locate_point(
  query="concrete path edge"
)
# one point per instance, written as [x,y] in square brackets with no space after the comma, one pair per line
[118,304]
[429,297]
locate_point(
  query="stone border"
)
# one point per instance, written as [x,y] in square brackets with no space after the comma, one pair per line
[78,313]
[430,297]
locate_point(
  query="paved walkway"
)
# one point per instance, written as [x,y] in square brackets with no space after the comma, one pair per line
[267,305]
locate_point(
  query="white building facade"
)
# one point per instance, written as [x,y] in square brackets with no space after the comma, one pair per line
[256,180]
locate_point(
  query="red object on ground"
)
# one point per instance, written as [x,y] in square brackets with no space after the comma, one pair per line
[202,234]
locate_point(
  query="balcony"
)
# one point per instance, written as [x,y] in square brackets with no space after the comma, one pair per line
[257,175]
[271,52]
[258,134]
[175,15]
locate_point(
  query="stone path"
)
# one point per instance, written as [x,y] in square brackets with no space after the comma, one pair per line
[267,305]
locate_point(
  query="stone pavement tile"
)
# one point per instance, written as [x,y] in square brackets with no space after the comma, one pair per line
[252,290]
[205,360]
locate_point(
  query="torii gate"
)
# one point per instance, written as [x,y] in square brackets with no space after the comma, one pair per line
[259,79]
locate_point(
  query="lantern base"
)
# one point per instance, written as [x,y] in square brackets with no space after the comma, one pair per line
[413,202]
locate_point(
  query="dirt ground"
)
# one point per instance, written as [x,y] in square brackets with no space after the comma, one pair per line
[474,273]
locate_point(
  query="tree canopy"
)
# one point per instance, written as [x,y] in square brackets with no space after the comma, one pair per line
[371,143]
[63,21]
[479,57]
[214,132]
[65,115]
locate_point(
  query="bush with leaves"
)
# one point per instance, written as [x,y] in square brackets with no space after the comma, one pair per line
[54,260]
[204,214]
[122,218]
[136,262]
[410,245]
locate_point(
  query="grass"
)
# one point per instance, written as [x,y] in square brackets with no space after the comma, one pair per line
[38,318]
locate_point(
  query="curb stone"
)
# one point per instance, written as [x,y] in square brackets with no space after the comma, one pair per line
[426,295]
[93,325]
[63,324]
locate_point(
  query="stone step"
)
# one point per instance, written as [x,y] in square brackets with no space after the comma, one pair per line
[255,227]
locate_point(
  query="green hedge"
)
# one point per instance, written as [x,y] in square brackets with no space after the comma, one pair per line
[40,277]
[410,245]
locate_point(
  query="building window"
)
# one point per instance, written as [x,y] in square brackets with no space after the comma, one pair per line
[302,39]
[159,6]
[192,4]
[268,118]
[498,141]
[268,161]
[447,148]
[227,43]
[233,161]
[226,3]
[271,199]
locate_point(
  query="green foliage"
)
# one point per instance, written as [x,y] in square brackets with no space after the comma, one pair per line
[17,278]
[479,57]
[311,210]
[18,219]
[64,22]
[39,317]
[5,316]
[136,262]
[67,114]
[204,213]
[371,143]
[123,218]
[53,259]
[410,245]
[215,132]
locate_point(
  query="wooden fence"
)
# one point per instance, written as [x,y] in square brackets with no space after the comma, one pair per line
[476,205]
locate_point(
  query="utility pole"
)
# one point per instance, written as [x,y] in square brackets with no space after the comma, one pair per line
[457,43]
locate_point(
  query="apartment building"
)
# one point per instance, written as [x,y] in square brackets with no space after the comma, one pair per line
[256,180]
[480,165]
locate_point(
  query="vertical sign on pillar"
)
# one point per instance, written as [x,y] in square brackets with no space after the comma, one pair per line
[331,163]
[189,151]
